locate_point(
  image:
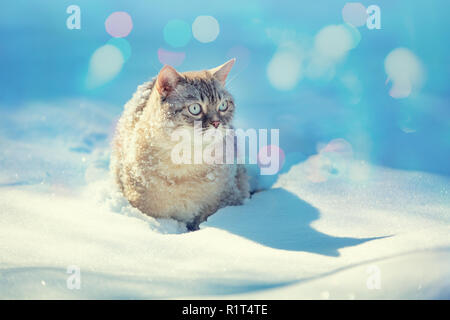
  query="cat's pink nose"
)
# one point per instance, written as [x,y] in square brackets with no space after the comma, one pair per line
[215,123]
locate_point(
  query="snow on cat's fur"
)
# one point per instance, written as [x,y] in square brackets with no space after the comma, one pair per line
[141,157]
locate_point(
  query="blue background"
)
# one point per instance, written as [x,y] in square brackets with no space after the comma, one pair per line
[42,60]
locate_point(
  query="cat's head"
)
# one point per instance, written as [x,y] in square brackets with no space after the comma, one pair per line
[196,96]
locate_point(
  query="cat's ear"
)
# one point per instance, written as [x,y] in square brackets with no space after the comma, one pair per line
[221,72]
[167,80]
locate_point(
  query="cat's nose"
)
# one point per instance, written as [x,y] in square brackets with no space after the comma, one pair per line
[215,123]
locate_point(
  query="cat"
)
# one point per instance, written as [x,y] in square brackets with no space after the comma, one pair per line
[141,150]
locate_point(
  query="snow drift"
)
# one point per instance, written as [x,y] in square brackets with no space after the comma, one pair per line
[368,232]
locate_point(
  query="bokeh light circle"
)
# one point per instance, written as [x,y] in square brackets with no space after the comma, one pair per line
[400,90]
[354,13]
[333,41]
[105,63]
[405,71]
[172,58]
[205,29]
[123,45]
[285,69]
[354,34]
[119,24]
[177,33]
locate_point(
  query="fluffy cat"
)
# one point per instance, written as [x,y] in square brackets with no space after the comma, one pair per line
[141,157]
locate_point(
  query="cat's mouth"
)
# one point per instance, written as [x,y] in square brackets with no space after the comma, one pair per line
[214,128]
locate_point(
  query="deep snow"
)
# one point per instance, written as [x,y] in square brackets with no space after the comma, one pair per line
[300,238]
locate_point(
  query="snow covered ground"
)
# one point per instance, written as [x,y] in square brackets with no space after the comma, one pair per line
[363,232]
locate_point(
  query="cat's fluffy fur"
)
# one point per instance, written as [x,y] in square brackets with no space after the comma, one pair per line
[141,156]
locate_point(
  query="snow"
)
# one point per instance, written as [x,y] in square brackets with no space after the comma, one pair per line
[367,232]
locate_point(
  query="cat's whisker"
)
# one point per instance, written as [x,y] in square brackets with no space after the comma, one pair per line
[228,83]
[154,67]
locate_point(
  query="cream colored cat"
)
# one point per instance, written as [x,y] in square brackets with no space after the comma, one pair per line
[141,157]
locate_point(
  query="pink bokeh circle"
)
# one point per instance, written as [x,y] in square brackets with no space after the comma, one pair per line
[172,58]
[119,24]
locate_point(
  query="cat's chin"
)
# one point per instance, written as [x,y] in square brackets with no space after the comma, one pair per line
[222,129]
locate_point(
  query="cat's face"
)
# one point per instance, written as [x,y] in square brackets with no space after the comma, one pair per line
[196,96]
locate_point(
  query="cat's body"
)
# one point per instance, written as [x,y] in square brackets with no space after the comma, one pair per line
[141,160]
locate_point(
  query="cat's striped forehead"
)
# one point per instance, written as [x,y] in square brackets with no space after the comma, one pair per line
[203,89]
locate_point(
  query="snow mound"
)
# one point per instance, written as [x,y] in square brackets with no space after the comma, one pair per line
[350,232]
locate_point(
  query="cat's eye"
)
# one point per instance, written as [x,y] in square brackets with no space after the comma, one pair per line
[223,106]
[195,109]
